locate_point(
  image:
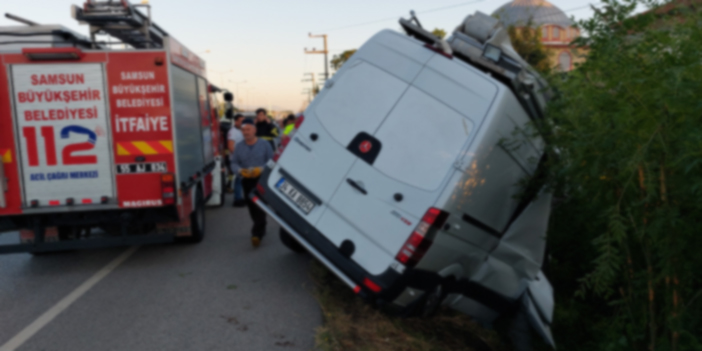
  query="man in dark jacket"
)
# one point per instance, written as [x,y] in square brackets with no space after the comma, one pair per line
[265,129]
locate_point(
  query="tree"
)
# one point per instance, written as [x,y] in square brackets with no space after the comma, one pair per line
[624,140]
[439,33]
[338,60]
[527,42]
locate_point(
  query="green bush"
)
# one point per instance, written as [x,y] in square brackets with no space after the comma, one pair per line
[625,151]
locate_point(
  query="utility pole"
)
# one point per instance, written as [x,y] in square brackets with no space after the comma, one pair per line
[325,52]
[322,80]
[314,84]
[307,92]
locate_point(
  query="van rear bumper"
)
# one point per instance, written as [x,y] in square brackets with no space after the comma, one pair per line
[318,255]
[392,283]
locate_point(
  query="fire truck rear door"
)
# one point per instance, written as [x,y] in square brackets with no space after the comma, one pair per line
[64,137]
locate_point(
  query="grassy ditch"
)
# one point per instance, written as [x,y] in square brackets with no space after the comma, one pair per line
[352,324]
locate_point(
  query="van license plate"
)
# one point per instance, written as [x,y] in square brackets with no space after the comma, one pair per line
[295,196]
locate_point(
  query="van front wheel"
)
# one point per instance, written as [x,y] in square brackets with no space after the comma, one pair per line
[290,242]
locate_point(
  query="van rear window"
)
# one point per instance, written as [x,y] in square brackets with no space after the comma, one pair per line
[359,101]
[422,138]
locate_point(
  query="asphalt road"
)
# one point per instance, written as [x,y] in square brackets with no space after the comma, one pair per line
[221,294]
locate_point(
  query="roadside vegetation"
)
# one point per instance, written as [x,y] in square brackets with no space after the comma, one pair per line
[352,324]
[625,163]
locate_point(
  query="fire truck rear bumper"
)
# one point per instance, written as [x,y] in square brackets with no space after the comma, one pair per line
[39,232]
[92,243]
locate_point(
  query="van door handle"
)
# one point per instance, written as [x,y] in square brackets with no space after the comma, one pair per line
[356,186]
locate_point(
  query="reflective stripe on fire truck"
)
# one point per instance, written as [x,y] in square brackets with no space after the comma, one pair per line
[128,148]
[6,155]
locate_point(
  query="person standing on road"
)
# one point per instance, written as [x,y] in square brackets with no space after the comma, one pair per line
[225,125]
[265,129]
[234,137]
[248,160]
[289,124]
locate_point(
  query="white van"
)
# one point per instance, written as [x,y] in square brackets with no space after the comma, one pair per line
[403,178]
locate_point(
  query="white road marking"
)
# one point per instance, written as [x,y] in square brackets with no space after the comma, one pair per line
[29,331]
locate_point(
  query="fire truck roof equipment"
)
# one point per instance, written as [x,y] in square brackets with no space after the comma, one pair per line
[121,20]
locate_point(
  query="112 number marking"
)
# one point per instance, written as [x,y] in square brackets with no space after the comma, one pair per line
[47,132]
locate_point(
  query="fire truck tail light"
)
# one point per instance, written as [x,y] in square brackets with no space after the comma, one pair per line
[422,237]
[70,201]
[50,54]
[104,200]
[168,191]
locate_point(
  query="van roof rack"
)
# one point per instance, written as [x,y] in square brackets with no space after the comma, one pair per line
[482,42]
[121,20]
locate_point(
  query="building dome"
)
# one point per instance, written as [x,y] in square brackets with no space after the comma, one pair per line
[540,12]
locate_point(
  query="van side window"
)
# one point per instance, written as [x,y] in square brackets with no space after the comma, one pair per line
[358,102]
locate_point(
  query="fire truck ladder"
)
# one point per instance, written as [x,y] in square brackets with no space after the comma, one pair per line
[121,20]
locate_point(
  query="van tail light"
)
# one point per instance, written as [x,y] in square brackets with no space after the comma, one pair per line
[299,121]
[283,144]
[422,237]
[168,189]
[372,285]
[439,51]
[260,189]
[286,139]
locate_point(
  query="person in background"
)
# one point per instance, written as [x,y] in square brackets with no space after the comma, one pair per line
[265,129]
[248,160]
[224,126]
[289,124]
[234,137]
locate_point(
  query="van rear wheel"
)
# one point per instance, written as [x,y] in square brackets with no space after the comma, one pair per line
[432,302]
[290,242]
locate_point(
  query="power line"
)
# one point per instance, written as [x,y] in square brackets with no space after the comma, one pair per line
[567,11]
[450,7]
[437,10]
[395,17]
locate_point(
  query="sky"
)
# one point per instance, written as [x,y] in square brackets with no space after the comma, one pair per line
[256,48]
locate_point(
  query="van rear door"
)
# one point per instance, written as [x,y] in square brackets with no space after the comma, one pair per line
[418,144]
[402,166]
[317,157]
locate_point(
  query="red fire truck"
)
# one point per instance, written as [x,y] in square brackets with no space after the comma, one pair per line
[104,145]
